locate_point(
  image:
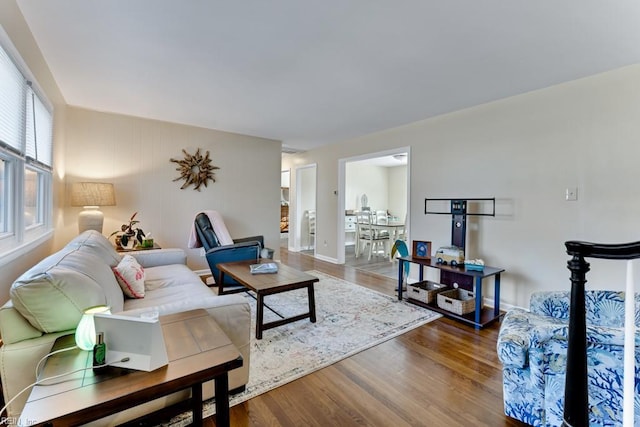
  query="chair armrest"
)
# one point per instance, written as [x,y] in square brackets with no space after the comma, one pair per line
[518,335]
[245,251]
[513,339]
[156,257]
[241,247]
[259,239]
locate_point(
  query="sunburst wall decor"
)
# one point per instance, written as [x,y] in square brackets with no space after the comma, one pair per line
[195,170]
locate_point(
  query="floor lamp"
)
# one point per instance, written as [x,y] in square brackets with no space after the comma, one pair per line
[91,195]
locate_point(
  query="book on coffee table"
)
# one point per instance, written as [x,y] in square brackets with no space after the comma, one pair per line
[269,267]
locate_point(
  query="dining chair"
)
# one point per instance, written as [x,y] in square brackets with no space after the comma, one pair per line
[401,233]
[382,217]
[367,234]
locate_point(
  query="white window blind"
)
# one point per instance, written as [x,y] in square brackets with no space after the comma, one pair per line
[12,104]
[39,129]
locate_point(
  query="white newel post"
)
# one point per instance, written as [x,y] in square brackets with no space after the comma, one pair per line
[629,348]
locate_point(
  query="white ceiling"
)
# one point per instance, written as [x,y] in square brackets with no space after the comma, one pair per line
[311,72]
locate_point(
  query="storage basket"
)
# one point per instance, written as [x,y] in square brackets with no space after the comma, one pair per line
[458,301]
[425,291]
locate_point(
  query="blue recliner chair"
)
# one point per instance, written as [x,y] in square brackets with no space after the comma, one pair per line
[532,346]
[244,249]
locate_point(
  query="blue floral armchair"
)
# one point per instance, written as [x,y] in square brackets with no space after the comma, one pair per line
[532,346]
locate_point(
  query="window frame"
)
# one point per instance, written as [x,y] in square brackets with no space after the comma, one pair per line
[18,238]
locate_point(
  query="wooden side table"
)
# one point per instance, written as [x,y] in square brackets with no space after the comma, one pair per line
[137,248]
[198,351]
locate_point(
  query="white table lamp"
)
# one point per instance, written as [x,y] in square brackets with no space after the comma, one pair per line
[91,195]
[86,330]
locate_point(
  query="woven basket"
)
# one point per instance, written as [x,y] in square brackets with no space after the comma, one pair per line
[425,291]
[458,301]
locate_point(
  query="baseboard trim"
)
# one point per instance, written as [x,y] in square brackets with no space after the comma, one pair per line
[326,258]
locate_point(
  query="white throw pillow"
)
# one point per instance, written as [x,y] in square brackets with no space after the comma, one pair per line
[130,276]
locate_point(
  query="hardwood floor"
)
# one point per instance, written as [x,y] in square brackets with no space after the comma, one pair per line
[441,374]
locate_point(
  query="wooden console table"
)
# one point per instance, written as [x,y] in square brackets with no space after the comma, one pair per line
[198,351]
[470,280]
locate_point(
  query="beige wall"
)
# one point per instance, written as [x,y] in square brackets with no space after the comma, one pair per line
[361,178]
[385,187]
[398,191]
[134,154]
[524,151]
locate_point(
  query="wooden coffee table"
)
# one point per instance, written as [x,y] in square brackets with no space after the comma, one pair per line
[286,279]
[198,351]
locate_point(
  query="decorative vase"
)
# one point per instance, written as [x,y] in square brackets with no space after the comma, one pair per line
[130,241]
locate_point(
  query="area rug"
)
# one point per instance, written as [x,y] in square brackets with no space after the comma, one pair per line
[349,319]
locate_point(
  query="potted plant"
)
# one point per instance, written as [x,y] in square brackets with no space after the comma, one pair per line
[128,234]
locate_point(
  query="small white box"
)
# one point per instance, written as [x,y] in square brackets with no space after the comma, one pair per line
[136,339]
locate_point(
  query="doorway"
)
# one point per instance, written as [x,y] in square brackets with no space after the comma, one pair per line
[378,182]
[285,183]
[305,202]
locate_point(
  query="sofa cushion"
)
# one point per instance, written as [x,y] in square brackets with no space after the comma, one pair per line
[97,243]
[164,276]
[169,285]
[130,277]
[53,294]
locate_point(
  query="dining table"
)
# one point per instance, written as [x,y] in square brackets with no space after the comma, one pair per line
[393,228]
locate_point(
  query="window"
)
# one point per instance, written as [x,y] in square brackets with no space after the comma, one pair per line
[33,198]
[4,196]
[26,160]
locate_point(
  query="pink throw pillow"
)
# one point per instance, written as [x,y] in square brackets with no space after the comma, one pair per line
[130,276]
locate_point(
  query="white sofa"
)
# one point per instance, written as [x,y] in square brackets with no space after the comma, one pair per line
[47,302]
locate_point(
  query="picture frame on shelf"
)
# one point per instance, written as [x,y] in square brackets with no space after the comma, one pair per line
[421,249]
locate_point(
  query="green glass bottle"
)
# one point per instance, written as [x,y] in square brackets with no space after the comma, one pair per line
[99,351]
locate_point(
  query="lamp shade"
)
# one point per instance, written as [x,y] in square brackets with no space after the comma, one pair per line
[86,330]
[92,194]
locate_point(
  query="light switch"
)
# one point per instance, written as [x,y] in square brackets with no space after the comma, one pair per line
[571,194]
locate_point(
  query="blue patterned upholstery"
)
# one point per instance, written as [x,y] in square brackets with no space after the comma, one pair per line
[532,346]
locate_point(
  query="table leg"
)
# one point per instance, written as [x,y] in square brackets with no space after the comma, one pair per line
[259,315]
[478,291]
[312,303]
[221,385]
[220,282]
[400,277]
[196,404]
[496,293]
